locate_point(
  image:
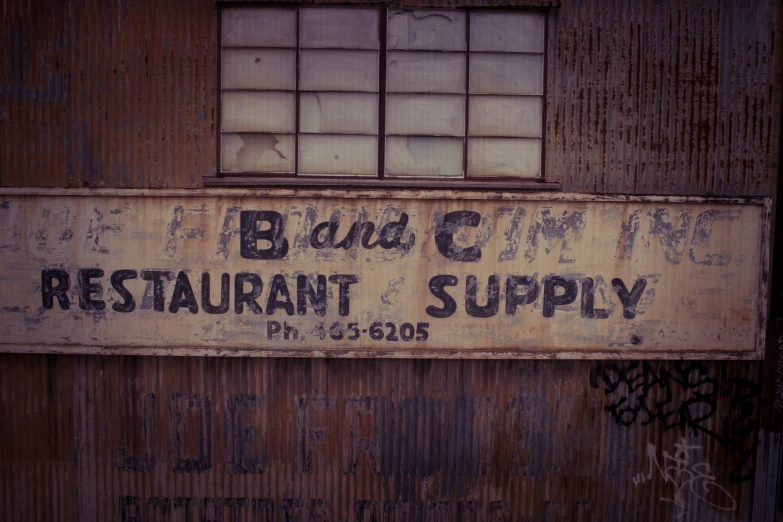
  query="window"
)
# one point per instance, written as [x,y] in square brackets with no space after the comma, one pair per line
[381,93]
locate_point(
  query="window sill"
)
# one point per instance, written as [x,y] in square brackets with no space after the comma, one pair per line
[361,183]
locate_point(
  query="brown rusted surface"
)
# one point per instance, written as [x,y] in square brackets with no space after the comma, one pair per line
[642,97]
[92,438]
[665,97]
[107,94]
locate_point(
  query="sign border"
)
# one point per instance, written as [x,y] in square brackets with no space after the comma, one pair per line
[430,353]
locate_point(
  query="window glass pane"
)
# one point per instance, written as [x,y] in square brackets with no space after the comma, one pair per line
[428,114]
[338,155]
[426,29]
[257,152]
[504,157]
[273,69]
[505,116]
[258,111]
[339,28]
[506,73]
[338,71]
[429,157]
[425,72]
[253,27]
[511,32]
[338,113]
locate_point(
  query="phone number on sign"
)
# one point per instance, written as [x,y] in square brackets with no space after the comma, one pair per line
[377,331]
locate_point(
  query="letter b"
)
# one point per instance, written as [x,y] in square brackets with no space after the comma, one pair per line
[250,234]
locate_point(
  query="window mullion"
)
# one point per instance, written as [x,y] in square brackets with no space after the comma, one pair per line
[467,95]
[382,93]
[296,108]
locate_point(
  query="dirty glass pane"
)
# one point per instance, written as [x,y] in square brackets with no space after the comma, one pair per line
[338,113]
[506,73]
[505,116]
[244,111]
[338,71]
[510,32]
[408,71]
[427,114]
[254,27]
[273,69]
[426,29]
[257,152]
[338,27]
[518,157]
[338,155]
[426,157]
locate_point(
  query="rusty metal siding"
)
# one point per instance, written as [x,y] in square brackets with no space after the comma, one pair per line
[645,97]
[677,97]
[665,97]
[97,93]
[89,437]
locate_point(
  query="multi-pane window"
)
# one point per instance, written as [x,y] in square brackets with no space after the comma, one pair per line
[344,91]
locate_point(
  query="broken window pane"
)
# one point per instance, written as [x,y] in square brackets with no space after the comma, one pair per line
[425,72]
[510,32]
[338,155]
[426,29]
[426,157]
[244,111]
[253,27]
[505,116]
[339,28]
[501,157]
[257,152]
[338,113]
[506,73]
[427,114]
[338,71]
[273,69]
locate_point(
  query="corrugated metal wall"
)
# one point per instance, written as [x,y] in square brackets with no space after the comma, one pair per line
[372,440]
[666,97]
[114,94]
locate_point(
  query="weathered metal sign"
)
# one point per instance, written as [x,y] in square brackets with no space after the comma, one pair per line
[382,274]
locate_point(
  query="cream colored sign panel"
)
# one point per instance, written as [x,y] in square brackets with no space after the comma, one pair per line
[429,274]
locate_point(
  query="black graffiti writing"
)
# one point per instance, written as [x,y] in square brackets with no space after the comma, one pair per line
[685,395]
